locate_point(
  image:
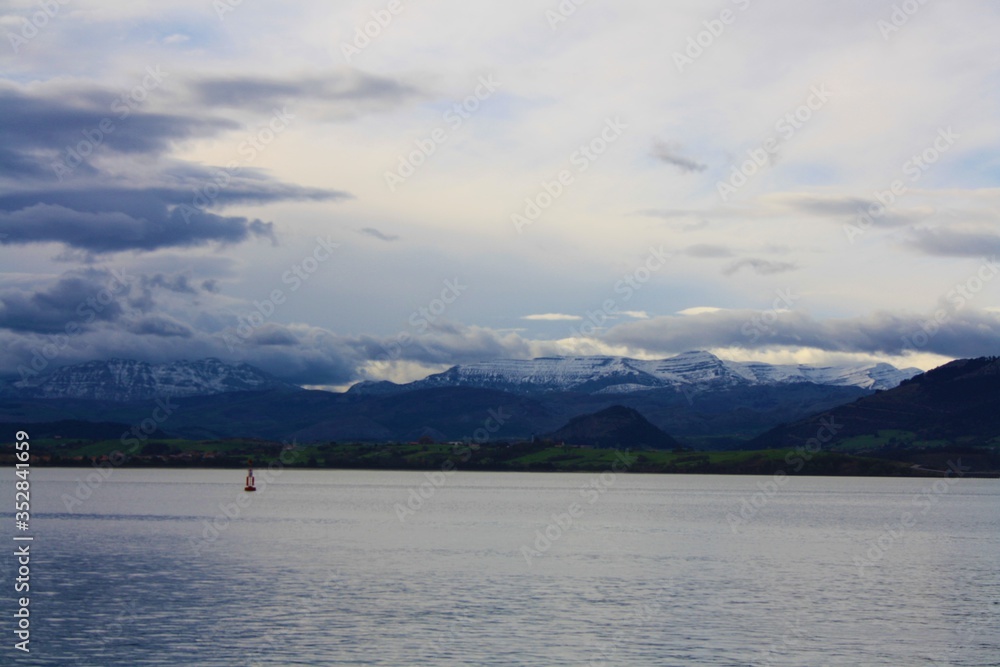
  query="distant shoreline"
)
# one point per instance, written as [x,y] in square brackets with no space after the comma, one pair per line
[517,456]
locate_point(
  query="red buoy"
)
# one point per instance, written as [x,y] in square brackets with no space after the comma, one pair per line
[250,480]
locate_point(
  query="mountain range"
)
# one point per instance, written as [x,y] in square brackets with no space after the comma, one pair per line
[695,395]
[695,371]
[126,380]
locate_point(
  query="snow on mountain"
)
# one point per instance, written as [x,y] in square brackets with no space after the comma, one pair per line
[691,370]
[129,380]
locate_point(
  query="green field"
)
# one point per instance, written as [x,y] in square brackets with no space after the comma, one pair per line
[539,457]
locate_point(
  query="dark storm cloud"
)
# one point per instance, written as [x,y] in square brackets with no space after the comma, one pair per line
[159,325]
[39,129]
[442,343]
[761,267]
[112,231]
[965,333]
[311,355]
[946,243]
[176,283]
[303,355]
[669,153]
[273,334]
[80,297]
[143,295]
[59,198]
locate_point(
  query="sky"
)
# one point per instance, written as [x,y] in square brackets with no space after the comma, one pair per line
[337,192]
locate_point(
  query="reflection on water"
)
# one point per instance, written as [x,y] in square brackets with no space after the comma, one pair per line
[317,569]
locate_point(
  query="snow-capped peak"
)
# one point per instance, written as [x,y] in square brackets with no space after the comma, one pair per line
[130,380]
[695,369]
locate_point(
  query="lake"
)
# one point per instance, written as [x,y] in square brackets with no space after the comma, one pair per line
[182,567]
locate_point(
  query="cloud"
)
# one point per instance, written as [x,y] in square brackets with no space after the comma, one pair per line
[966,333]
[138,200]
[316,356]
[699,310]
[312,355]
[347,92]
[175,283]
[707,251]
[114,231]
[371,231]
[552,317]
[947,243]
[447,343]
[847,208]
[159,325]
[635,314]
[42,126]
[76,297]
[273,334]
[84,299]
[669,153]
[761,267]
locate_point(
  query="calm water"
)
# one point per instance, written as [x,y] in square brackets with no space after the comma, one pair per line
[318,569]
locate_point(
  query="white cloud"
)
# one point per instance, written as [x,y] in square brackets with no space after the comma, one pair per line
[699,310]
[552,317]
